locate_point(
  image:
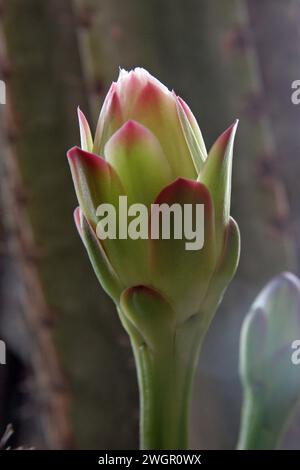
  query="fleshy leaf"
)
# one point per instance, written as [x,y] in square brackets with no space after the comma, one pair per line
[136,155]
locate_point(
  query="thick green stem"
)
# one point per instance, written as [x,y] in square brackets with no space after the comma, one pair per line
[165,384]
[166,361]
[166,346]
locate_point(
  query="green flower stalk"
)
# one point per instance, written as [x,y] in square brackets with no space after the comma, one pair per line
[268,363]
[149,148]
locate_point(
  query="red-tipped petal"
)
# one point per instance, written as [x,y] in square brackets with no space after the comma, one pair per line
[137,157]
[139,96]
[183,274]
[110,119]
[155,108]
[95,182]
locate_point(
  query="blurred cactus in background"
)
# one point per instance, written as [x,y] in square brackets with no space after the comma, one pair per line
[44,80]
[271,379]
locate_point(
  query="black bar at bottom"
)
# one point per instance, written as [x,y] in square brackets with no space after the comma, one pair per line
[131,459]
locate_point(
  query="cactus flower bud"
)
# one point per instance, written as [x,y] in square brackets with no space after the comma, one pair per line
[271,381]
[148,148]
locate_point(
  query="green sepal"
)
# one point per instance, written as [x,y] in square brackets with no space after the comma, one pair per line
[197,150]
[216,175]
[99,260]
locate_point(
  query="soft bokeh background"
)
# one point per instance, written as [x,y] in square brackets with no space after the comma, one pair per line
[70,378]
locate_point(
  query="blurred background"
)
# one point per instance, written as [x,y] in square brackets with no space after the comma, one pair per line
[69,381]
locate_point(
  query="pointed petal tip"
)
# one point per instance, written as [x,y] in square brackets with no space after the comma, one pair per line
[122,73]
[182,188]
[85,131]
[150,94]
[222,149]
[76,154]
[131,125]
[72,152]
[182,182]
[228,134]
[81,116]
[133,128]
[129,133]
[183,104]
[234,125]
[77,217]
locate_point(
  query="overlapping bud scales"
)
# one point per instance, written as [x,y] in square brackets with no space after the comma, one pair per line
[148,147]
